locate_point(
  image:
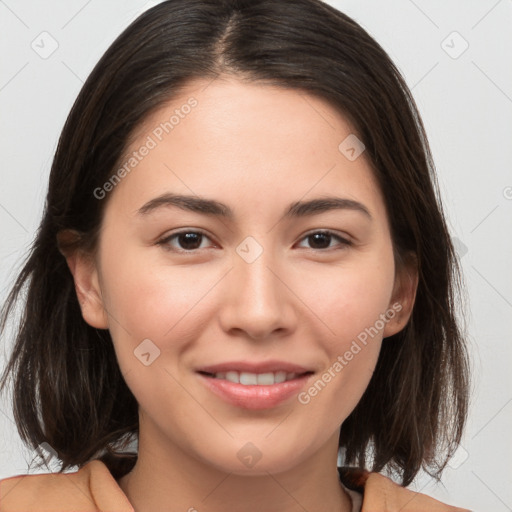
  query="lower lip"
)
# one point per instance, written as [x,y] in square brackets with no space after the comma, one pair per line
[254,396]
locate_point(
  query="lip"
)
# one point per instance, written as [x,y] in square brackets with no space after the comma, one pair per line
[255,397]
[261,367]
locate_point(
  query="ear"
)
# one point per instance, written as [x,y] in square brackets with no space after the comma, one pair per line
[403,296]
[85,275]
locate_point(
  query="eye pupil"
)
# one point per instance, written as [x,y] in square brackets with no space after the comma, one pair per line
[318,237]
[190,241]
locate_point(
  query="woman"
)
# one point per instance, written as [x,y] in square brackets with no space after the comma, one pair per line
[244,266]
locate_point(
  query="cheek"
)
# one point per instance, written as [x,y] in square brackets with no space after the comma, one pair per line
[332,396]
[163,304]
[149,300]
[352,312]
[350,298]
[351,303]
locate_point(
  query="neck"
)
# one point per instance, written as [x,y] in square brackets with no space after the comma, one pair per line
[171,480]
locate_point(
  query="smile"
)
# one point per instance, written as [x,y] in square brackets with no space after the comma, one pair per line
[254,386]
[255,379]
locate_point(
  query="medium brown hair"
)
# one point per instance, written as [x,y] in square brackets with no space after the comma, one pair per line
[68,388]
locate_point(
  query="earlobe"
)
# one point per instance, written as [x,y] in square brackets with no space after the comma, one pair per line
[403,297]
[85,276]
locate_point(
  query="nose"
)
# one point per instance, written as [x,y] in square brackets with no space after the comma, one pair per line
[258,303]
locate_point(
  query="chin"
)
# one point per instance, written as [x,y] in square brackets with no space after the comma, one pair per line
[246,458]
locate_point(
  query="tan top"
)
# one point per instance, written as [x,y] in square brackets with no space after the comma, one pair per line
[93,488]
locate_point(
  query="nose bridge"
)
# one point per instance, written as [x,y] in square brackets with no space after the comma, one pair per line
[257,277]
[258,303]
[258,284]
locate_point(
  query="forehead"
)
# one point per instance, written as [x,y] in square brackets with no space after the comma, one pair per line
[253,145]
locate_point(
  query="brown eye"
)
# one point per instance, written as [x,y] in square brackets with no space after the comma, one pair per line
[184,241]
[322,240]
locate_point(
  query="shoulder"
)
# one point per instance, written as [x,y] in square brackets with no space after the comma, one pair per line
[90,488]
[382,494]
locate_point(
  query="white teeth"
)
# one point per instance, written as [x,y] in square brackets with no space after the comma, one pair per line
[232,377]
[265,379]
[252,379]
[248,378]
[279,377]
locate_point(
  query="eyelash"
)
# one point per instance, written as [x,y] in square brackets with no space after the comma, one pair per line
[343,242]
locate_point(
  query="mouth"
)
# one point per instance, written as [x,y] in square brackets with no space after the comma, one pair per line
[255,379]
[255,386]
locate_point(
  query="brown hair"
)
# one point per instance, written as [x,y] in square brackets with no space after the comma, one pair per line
[68,388]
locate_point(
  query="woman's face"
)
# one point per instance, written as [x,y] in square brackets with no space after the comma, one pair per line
[235,279]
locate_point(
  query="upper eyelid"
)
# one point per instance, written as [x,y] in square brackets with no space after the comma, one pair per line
[343,240]
[170,236]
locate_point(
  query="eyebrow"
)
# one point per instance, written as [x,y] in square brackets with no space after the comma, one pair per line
[215,208]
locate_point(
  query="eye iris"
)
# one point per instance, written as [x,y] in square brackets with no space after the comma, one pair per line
[190,241]
[318,238]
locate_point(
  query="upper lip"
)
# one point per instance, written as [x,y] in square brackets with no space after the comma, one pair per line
[251,367]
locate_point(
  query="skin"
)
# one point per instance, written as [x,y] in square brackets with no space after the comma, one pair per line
[256,148]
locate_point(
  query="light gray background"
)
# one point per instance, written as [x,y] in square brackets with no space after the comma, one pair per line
[465,99]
